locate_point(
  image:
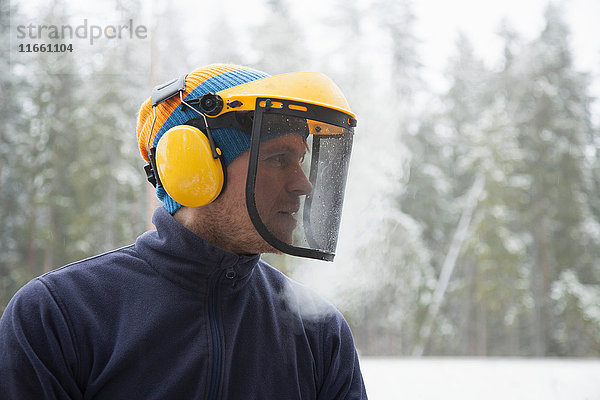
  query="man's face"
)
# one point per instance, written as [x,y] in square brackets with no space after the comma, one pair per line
[280,183]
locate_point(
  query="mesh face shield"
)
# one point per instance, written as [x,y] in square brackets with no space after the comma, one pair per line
[297,173]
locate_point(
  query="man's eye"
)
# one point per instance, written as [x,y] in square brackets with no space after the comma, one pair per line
[283,160]
[277,161]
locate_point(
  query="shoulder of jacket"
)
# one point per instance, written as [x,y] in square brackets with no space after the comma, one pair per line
[102,258]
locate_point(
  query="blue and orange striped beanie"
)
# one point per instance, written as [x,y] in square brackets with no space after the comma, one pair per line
[208,79]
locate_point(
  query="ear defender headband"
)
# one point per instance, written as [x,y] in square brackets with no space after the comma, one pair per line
[185,162]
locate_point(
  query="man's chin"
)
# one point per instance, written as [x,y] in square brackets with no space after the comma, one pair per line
[266,247]
[261,246]
[282,232]
[271,250]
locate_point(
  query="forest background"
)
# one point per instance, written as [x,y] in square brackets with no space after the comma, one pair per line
[472,218]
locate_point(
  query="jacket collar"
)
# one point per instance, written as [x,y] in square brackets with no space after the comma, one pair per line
[186,258]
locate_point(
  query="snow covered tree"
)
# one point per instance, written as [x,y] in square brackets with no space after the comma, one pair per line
[527,271]
[279,41]
[68,197]
[12,146]
[550,107]
[40,135]
[114,191]
[392,265]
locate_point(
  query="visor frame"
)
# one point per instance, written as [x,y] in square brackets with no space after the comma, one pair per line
[313,112]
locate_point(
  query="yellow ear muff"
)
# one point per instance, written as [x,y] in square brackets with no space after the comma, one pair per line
[186,167]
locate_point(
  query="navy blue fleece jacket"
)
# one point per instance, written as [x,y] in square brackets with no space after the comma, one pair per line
[173,317]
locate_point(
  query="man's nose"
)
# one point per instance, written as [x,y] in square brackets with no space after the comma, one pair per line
[298,183]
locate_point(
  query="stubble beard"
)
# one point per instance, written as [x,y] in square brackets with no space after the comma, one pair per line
[226,224]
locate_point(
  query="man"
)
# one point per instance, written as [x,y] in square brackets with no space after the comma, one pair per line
[190,311]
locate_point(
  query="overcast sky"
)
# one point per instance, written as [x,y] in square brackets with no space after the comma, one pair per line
[437,24]
[438,21]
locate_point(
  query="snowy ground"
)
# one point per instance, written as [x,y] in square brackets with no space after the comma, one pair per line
[481,378]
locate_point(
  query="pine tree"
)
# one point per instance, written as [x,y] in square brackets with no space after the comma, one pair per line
[524,278]
[73,190]
[56,104]
[553,112]
[223,44]
[551,109]
[13,124]
[279,41]
[114,191]
[392,263]
[428,199]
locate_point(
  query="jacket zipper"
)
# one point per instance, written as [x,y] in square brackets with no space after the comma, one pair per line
[215,330]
